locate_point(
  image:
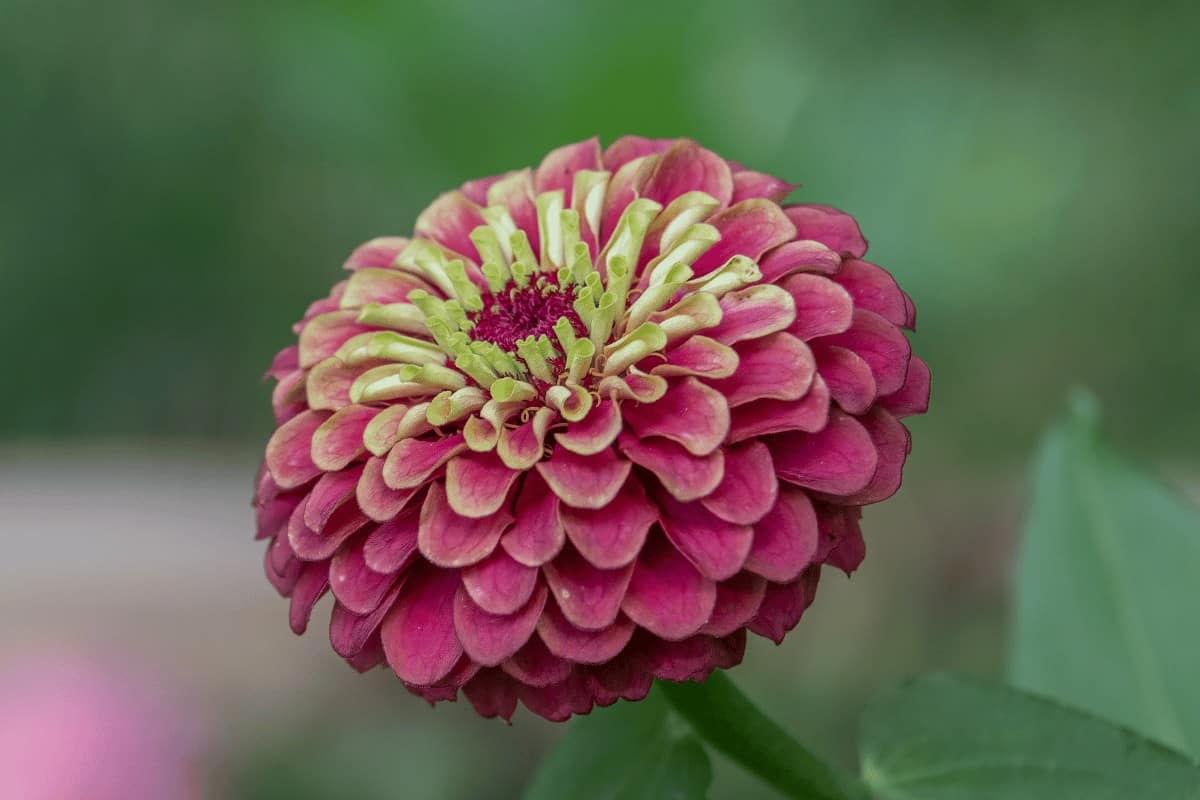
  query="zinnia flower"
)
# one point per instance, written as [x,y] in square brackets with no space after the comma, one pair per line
[586,428]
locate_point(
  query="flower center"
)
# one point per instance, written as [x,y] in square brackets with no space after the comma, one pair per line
[515,313]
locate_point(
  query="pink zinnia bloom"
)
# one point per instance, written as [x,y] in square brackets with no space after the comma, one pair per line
[591,424]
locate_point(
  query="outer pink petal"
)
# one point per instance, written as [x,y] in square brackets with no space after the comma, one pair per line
[881,344]
[830,227]
[412,462]
[748,184]
[289,452]
[559,701]
[627,148]
[580,646]
[784,604]
[798,256]
[785,541]
[698,356]
[589,597]
[753,312]
[685,476]
[536,534]
[418,634]
[748,229]
[377,253]
[310,587]
[339,440]
[822,307]
[490,639]
[892,442]
[584,481]
[313,546]
[449,539]
[612,536]
[849,378]
[477,190]
[775,367]
[737,603]
[558,168]
[355,585]
[350,633]
[500,584]
[840,459]
[377,500]
[595,432]
[392,546]
[324,334]
[874,289]
[763,417]
[492,693]
[690,413]
[477,484]
[449,221]
[534,665]
[666,595]
[749,488]
[330,491]
[686,167]
[715,547]
[842,535]
[913,396]
[517,196]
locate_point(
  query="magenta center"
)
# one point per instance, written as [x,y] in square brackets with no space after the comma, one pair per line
[513,314]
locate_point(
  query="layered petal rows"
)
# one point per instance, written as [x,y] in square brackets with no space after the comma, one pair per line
[590,425]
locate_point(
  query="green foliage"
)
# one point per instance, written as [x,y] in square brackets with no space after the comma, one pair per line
[1106,611]
[944,738]
[628,752]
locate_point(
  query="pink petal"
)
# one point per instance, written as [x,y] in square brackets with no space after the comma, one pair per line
[271,514]
[339,440]
[500,584]
[749,488]
[287,398]
[685,476]
[690,413]
[377,500]
[350,633]
[625,185]
[715,547]
[753,312]
[892,443]
[370,656]
[748,184]
[881,344]
[666,595]
[839,459]
[776,367]
[913,396]
[798,256]
[330,491]
[585,481]
[477,190]
[281,565]
[412,462]
[748,229]
[619,679]
[822,307]
[382,286]
[832,228]
[515,192]
[492,693]
[380,252]
[313,546]
[355,585]
[686,167]
[763,417]
[839,527]
[477,484]
[595,432]
[490,639]
[534,665]
[285,362]
[418,634]
[323,335]
[328,384]
[784,604]
[559,701]
[700,356]
[874,289]
[392,547]
[590,598]
[522,447]
[449,539]
[580,646]
[611,536]
[449,221]
[536,534]
[627,148]
[785,541]
[310,587]
[558,168]
[737,603]
[289,451]
[849,378]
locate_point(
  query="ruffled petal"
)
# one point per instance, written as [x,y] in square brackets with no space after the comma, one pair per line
[350,633]
[881,344]
[874,289]
[289,451]
[785,540]
[687,167]
[377,500]
[715,547]
[754,312]
[499,584]
[699,356]
[355,585]
[379,252]
[748,229]
[784,604]
[490,639]
[493,694]
[737,603]
[581,646]
[412,462]
[477,484]
[798,256]
[822,307]
[311,586]
[776,367]
[627,148]
[322,335]
[611,536]
[534,665]
[536,534]
[832,228]
[418,634]
[913,397]
[838,460]
[892,442]
[392,547]
[339,439]
[558,168]
[748,184]
[585,481]
[849,378]
[763,417]
[449,539]
[328,494]
[667,595]
[449,221]
[685,476]
[595,432]
[312,545]
[589,597]
[690,413]
[749,488]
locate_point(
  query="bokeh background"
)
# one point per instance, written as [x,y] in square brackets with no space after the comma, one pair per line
[178,180]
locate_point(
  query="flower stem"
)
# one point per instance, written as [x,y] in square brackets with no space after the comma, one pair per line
[726,719]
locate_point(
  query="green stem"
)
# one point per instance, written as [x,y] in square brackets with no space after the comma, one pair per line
[727,720]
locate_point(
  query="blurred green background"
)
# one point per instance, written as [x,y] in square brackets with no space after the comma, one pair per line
[180,180]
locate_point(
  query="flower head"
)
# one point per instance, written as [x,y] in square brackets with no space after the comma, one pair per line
[591,424]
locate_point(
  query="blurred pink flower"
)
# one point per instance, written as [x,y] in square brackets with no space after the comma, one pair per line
[75,729]
[589,426]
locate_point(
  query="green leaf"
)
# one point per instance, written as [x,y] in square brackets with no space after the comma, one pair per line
[626,752]
[727,720]
[941,738]
[1106,610]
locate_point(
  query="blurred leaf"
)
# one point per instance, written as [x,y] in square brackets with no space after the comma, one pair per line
[941,738]
[625,752]
[1106,609]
